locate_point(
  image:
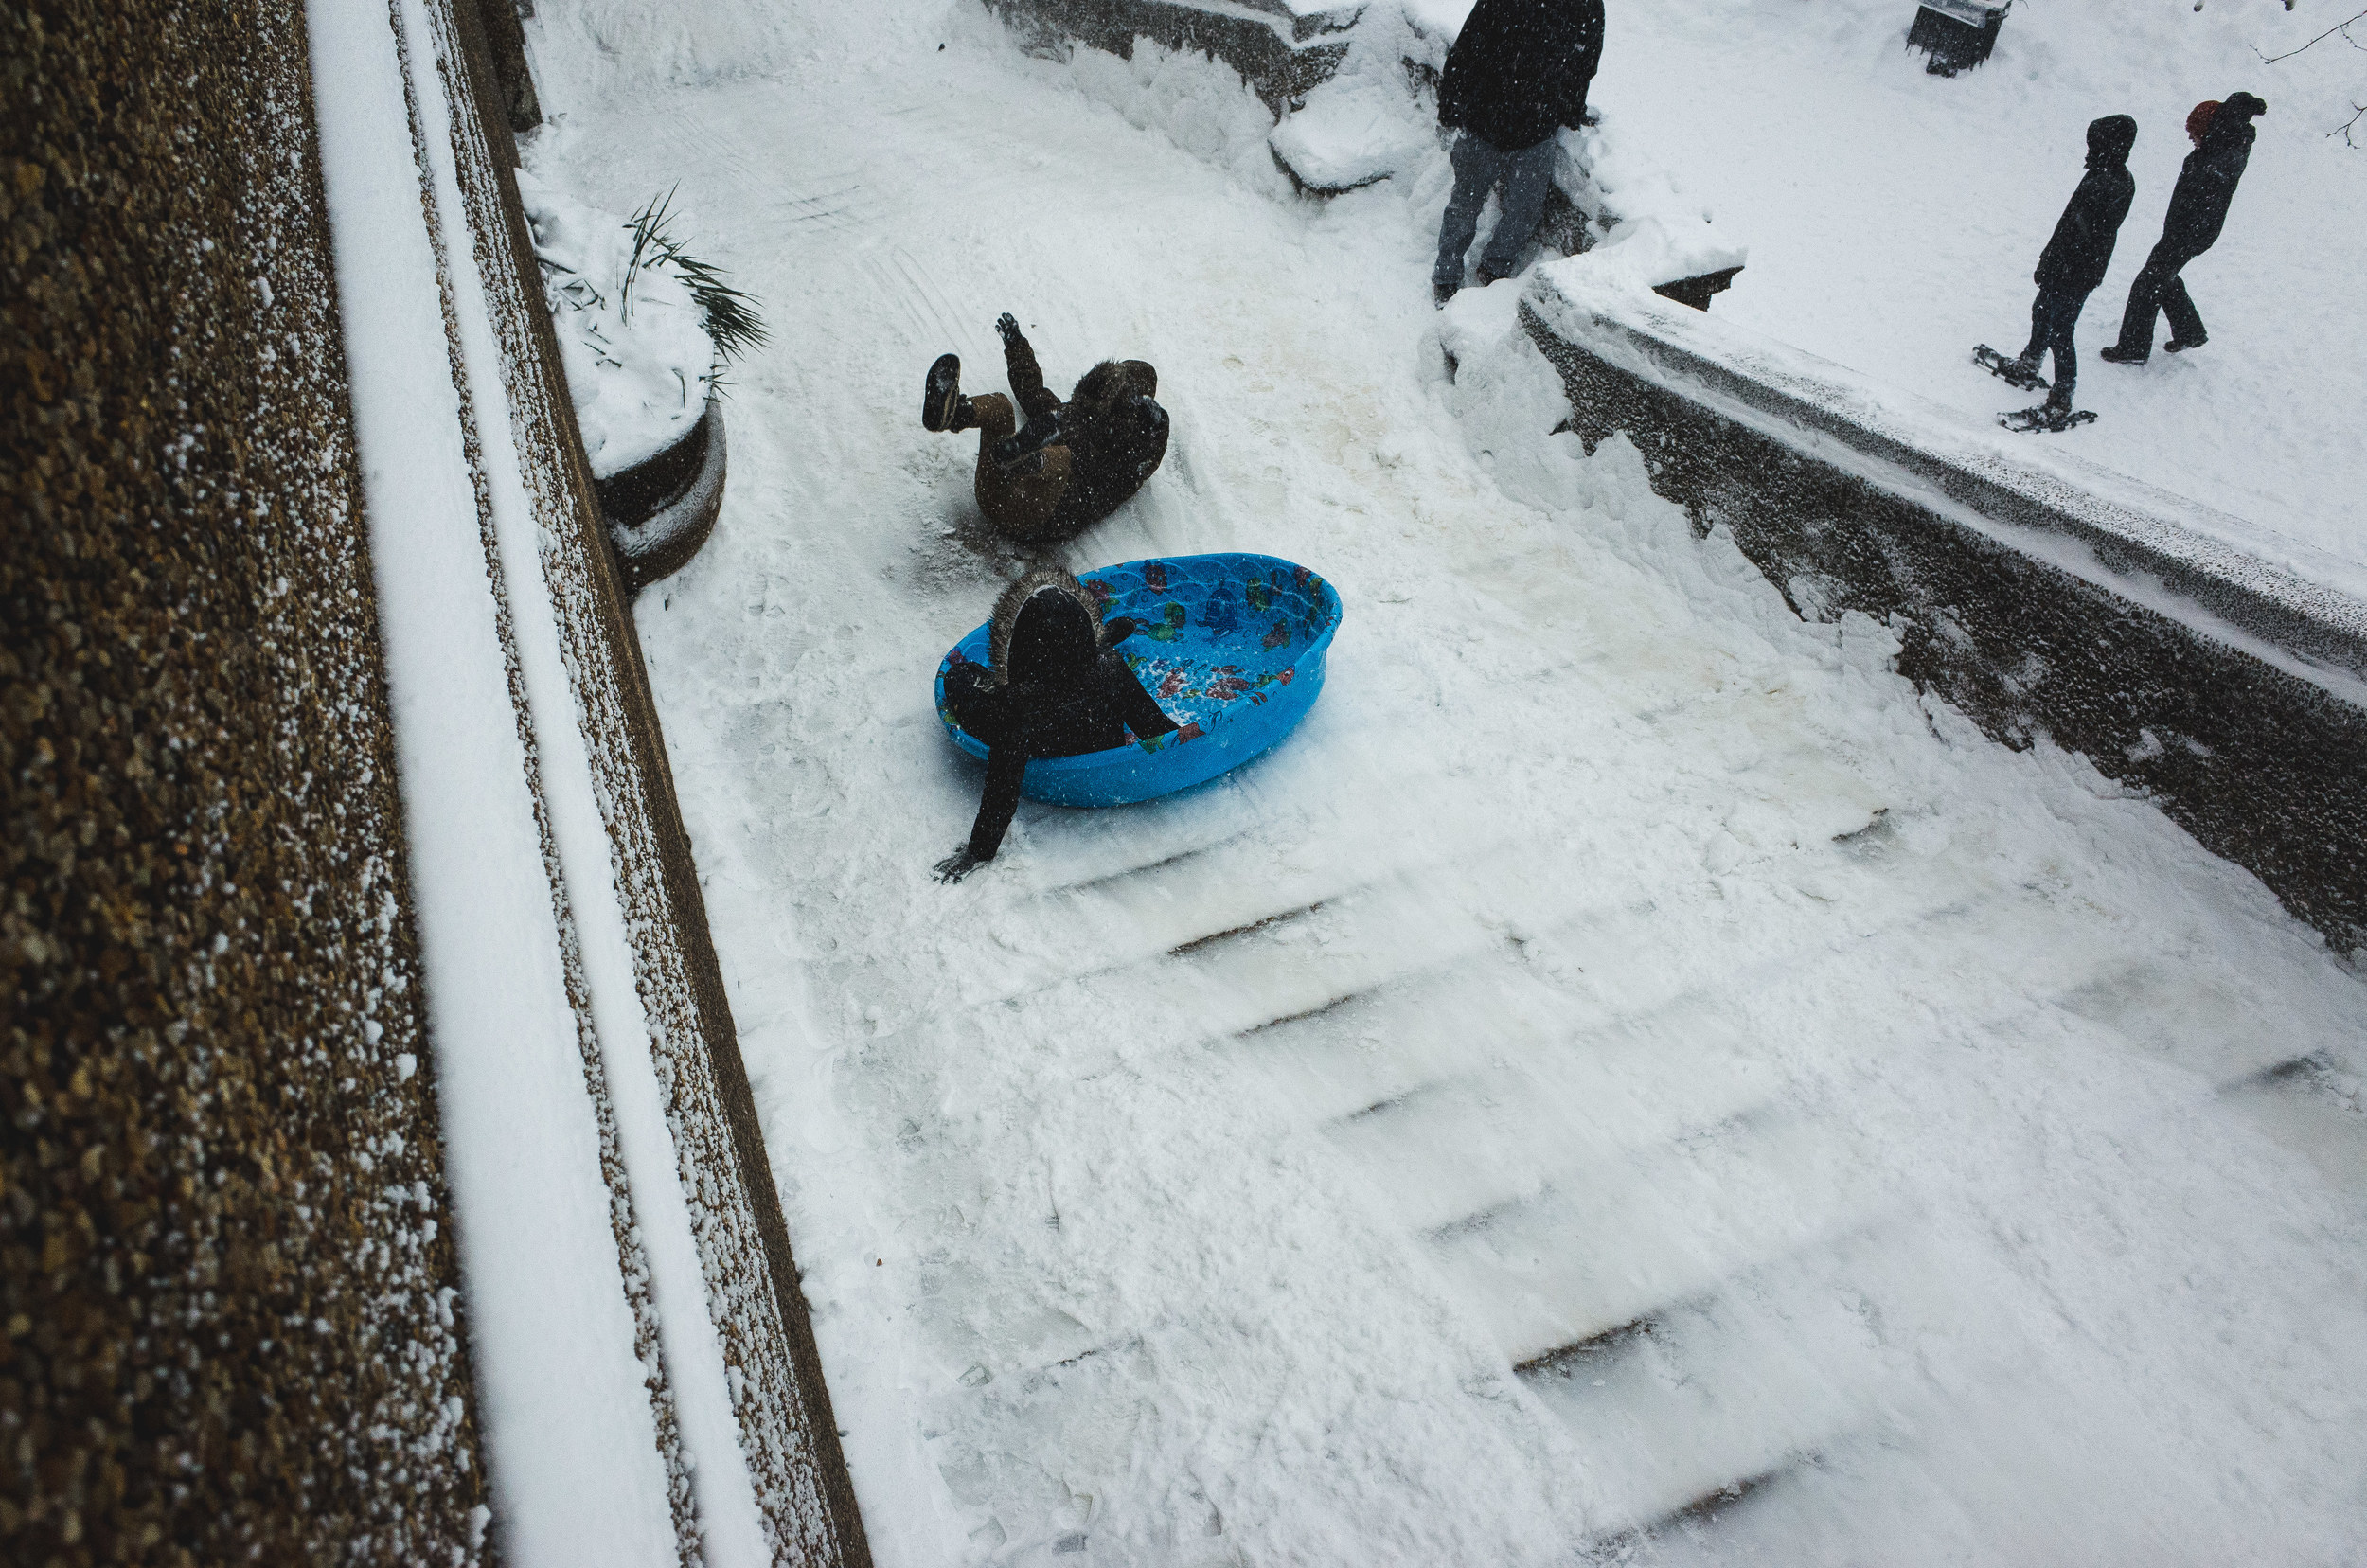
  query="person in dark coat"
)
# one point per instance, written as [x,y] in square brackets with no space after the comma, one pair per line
[1519,71]
[2076,256]
[1076,463]
[2223,137]
[1058,687]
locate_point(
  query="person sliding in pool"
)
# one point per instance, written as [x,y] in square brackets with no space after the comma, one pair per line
[1058,688]
[1076,463]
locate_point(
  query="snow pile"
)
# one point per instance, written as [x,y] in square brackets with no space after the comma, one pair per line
[640,364]
[1212,115]
[648,42]
[1352,132]
[1375,118]
[1648,232]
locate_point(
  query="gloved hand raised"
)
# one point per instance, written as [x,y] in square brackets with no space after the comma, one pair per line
[1007,325]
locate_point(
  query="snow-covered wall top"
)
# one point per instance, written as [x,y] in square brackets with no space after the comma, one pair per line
[2312,606]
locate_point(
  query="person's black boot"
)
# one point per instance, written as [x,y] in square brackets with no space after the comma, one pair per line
[1040,433]
[2118,355]
[2178,345]
[942,405]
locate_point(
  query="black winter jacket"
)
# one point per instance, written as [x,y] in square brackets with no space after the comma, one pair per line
[2075,259]
[1520,68]
[1117,435]
[1058,688]
[2207,184]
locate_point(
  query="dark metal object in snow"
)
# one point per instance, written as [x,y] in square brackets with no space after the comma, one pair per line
[1956,34]
[660,510]
[2004,613]
[1696,292]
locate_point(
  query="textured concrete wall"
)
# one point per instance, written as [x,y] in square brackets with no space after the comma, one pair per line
[2261,765]
[226,1284]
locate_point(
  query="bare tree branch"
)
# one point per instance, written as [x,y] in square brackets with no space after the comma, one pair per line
[2343,26]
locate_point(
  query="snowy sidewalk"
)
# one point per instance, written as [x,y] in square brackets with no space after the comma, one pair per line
[1894,218]
[1626,1048]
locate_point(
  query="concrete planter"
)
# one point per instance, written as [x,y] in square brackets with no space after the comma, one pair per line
[661,510]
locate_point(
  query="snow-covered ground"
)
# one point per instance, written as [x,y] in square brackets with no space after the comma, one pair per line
[1894,219]
[1614,965]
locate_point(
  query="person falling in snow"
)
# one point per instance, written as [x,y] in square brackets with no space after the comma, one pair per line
[2070,267]
[2223,136]
[1076,463]
[1058,687]
[1519,71]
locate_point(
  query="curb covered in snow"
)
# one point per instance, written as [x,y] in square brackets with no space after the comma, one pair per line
[641,1342]
[2037,594]
[1282,48]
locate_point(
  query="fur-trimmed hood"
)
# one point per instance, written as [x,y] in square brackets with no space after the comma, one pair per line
[1044,579]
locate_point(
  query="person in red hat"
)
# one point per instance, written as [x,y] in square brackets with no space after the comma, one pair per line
[2223,134]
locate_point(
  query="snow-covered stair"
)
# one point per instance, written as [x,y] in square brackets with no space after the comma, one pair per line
[1627,1067]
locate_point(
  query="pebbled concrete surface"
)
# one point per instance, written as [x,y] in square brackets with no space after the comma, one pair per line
[227,1283]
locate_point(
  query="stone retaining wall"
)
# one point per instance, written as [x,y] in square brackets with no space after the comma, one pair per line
[2232,692]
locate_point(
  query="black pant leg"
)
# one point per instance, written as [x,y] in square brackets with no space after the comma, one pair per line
[2035,349]
[2062,325]
[2177,304]
[2145,297]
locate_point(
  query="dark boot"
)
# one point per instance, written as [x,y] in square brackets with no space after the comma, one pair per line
[1040,433]
[942,405]
[2118,355]
[2180,345]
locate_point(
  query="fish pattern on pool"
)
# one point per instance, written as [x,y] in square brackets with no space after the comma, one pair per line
[1213,630]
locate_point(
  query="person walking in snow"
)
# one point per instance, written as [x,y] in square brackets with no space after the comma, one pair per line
[1519,72]
[2070,267]
[1058,687]
[2223,134]
[1076,463]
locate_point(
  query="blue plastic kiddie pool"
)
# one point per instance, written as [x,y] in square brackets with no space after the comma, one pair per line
[1232,645]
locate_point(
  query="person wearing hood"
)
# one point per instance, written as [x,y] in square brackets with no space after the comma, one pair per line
[1057,687]
[1076,463]
[2075,262]
[2223,136]
[1519,71]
